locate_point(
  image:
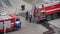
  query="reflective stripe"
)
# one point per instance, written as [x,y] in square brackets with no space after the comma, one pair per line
[53,10]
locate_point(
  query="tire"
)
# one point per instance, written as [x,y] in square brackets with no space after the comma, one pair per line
[58,14]
[49,17]
[16,28]
[54,16]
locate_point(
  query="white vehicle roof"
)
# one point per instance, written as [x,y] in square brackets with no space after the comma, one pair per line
[47,4]
[51,3]
[4,16]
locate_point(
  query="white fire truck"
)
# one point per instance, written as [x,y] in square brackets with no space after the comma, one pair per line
[52,10]
[10,21]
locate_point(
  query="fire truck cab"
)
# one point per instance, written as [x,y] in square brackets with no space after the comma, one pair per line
[52,10]
[9,21]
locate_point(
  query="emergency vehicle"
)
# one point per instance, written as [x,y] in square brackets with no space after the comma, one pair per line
[52,10]
[9,21]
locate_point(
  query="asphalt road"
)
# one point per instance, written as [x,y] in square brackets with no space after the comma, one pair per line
[27,28]
[22,14]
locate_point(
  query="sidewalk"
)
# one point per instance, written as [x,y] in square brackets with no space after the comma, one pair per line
[17,7]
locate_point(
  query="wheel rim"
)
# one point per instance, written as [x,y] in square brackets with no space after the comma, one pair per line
[49,17]
[54,16]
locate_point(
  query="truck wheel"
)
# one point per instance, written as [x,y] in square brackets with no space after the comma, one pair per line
[54,16]
[49,17]
[58,15]
[15,28]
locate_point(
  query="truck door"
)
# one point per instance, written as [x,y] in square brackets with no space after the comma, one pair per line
[37,14]
[7,24]
[1,25]
[43,12]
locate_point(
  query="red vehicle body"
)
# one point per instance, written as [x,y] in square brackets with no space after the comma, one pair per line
[52,10]
[9,21]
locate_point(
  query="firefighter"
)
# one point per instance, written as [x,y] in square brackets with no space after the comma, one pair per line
[23,7]
[30,17]
[27,15]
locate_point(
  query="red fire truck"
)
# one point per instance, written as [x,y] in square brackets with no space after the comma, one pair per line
[52,10]
[10,21]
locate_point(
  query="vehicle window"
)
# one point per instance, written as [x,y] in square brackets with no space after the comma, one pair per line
[36,11]
[40,6]
[17,19]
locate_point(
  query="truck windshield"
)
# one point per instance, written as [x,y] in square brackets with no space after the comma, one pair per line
[17,19]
